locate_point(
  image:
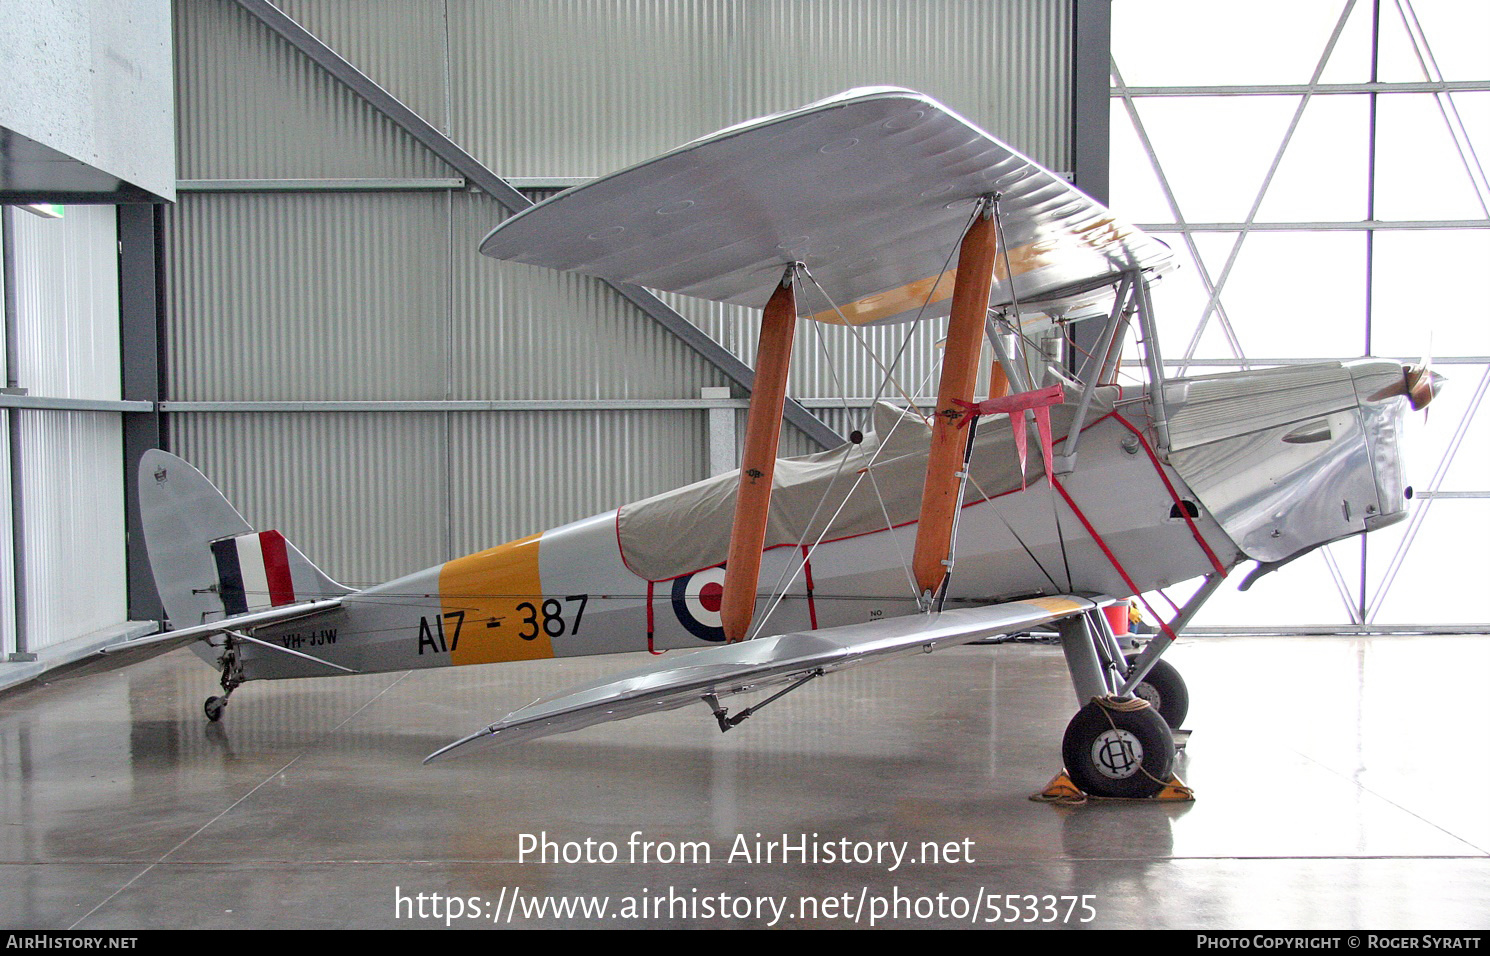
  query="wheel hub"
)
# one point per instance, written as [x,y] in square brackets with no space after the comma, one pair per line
[1117,754]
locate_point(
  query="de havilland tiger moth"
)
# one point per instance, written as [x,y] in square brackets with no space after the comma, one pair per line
[928,530]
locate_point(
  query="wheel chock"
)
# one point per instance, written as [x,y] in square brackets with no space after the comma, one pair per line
[1176,790]
[1062,790]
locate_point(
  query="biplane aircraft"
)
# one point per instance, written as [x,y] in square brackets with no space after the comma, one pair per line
[927,530]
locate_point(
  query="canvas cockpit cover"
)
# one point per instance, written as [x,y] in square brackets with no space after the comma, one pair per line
[687,529]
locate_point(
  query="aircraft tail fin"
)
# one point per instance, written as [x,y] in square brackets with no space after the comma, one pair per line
[209,563]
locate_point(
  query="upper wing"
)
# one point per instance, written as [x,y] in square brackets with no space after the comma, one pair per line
[734,668]
[870,188]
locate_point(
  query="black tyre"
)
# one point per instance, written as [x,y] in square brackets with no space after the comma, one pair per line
[1165,690]
[213,707]
[1118,753]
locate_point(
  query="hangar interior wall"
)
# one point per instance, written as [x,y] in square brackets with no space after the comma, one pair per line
[347,367]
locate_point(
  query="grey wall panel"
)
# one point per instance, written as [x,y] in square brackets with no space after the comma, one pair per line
[1004,65]
[73,553]
[308,296]
[518,473]
[584,87]
[521,332]
[362,494]
[399,43]
[250,106]
[377,296]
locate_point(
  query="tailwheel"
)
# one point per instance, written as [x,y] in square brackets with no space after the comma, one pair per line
[232,676]
[1165,690]
[1119,747]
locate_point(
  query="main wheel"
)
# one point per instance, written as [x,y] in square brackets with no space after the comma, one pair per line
[1111,752]
[1165,690]
[213,708]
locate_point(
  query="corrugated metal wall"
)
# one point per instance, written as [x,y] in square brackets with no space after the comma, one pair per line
[380,295]
[70,462]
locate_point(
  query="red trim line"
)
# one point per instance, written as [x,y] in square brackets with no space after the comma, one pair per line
[1173,495]
[650,631]
[1132,587]
[811,601]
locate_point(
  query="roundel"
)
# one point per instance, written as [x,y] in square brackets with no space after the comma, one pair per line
[696,601]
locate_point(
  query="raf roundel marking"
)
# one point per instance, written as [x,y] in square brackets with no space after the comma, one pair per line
[696,601]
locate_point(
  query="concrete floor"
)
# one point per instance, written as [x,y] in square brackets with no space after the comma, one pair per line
[1341,785]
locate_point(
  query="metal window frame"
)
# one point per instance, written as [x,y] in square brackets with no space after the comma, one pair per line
[1363,606]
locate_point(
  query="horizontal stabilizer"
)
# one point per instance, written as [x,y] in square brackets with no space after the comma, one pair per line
[240,622]
[751,665]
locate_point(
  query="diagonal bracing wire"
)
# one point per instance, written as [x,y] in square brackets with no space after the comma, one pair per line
[1420,514]
[1186,235]
[1267,180]
[1446,107]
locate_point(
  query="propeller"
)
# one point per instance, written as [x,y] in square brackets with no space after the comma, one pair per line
[1420,384]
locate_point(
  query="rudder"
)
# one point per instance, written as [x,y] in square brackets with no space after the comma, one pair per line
[209,563]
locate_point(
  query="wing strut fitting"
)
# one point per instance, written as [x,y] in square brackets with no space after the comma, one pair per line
[728,723]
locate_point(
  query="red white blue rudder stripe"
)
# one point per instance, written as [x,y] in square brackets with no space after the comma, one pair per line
[253,572]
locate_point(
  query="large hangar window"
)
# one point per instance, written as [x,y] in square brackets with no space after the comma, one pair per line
[1320,170]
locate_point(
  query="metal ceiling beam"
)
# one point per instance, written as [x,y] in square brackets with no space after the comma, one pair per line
[1352,225]
[514,201]
[1319,89]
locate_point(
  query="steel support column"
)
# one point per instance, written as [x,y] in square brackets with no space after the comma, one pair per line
[140,366]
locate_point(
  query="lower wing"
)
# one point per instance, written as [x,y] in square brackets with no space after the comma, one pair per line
[716,672]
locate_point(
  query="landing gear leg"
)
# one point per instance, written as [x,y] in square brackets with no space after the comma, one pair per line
[1165,690]
[232,676]
[1117,745]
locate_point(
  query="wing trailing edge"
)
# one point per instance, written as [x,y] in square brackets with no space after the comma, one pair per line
[736,668]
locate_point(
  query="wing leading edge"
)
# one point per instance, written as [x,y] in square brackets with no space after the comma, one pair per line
[870,189]
[751,665]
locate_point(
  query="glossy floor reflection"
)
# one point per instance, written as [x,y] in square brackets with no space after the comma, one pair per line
[1341,784]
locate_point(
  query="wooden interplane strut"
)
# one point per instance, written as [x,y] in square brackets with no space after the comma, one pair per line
[758,460]
[975,261]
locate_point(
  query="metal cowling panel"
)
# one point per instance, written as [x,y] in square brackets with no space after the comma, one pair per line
[1209,408]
